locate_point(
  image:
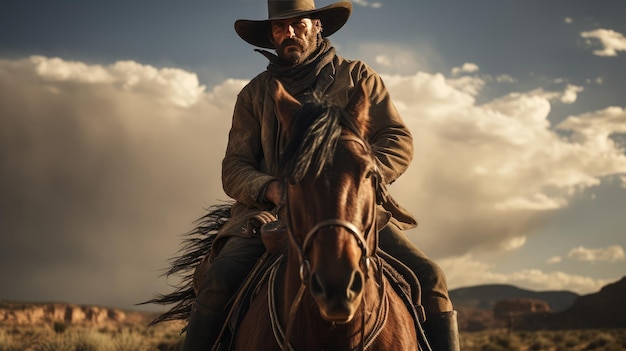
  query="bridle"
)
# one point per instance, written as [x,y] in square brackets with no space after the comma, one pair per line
[360,236]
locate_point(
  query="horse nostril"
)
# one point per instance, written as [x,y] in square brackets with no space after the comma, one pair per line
[356,285]
[317,289]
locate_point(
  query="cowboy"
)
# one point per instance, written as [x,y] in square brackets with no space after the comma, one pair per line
[305,61]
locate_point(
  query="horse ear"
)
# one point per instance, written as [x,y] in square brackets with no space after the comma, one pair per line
[285,106]
[359,106]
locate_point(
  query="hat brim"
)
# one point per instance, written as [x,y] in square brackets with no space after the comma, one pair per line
[257,33]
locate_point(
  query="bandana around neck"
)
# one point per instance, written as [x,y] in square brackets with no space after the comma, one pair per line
[300,77]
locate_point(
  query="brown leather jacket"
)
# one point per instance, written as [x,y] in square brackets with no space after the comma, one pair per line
[251,159]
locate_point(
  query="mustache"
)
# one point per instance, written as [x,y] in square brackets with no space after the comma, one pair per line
[292,41]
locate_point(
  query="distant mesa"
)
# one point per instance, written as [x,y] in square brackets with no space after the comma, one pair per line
[19,313]
[604,309]
[486,296]
[506,306]
[505,309]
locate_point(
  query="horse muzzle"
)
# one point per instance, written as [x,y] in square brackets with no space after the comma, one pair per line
[338,292]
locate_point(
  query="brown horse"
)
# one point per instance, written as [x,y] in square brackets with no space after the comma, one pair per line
[328,292]
[330,289]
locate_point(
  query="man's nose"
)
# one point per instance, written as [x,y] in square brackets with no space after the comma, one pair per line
[290,31]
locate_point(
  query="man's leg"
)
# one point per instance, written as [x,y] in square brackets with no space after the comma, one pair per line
[220,283]
[441,325]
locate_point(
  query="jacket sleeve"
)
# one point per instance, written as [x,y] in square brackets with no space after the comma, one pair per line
[389,137]
[242,178]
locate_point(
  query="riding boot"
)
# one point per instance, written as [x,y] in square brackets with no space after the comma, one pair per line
[202,331]
[442,331]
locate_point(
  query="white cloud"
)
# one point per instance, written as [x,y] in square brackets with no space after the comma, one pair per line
[368,4]
[613,253]
[467,271]
[568,20]
[505,78]
[533,202]
[108,158]
[424,92]
[467,84]
[169,85]
[384,60]
[514,243]
[57,70]
[539,280]
[611,41]
[554,260]
[396,58]
[389,57]
[467,67]
[568,96]
[592,131]
[609,120]
[597,81]
[487,163]
[571,94]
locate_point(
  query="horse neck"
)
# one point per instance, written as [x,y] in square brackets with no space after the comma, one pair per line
[291,279]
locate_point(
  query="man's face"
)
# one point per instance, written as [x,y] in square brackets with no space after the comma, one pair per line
[295,39]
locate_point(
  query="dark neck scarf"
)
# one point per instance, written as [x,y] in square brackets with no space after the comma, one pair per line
[300,77]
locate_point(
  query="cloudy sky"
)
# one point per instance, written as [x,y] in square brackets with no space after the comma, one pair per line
[114,116]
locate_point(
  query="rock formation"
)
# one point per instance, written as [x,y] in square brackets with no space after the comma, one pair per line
[507,308]
[25,313]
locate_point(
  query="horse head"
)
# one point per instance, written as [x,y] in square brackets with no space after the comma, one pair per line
[331,179]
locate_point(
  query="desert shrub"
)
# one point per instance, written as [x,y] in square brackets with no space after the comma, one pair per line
[603,341]
[503,341]
[9,341]
[59,327]
[557,340]
[586,335]
[30,339]
[566,340]
[56,342]
[540,343]
[493,347]
[92,340]
[168,338]
[74,340]
[129,340]
[496,342]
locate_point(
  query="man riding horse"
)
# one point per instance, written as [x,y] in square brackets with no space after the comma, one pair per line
[305,62]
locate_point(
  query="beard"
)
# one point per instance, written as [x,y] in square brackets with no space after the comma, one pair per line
[296,50]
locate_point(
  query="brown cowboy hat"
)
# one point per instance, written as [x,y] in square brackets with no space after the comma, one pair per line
[257,33]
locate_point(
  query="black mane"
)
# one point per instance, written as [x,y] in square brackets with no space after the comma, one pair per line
[316,130]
